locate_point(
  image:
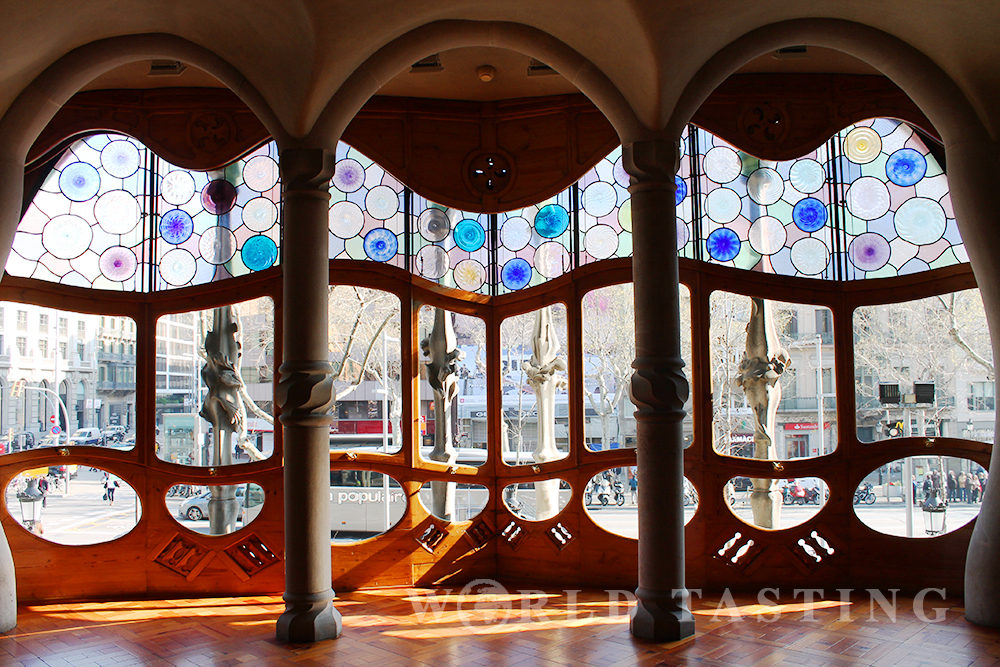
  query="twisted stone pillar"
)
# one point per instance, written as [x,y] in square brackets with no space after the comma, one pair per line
[444,355]
[305,394]
[659,390]
[973,173]
[763,363]
[542,378]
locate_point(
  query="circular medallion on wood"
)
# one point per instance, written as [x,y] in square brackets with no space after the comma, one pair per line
[489,173]
[764,123]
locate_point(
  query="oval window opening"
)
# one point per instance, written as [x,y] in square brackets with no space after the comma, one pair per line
[453,501]
[190,506]
[363,504]
[797,500]
[97,506]
[537,501]
[611,500]
[945,493]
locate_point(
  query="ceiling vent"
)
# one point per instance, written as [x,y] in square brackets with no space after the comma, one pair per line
[166,68]
[538,68]
[790,52]
[428,64]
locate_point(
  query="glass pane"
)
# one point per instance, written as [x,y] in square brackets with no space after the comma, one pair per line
[534,384]
[365,354]
[205,381]
[927,362]
[800,499]
[366,211]
[189,505]
[535,243]
[451,247]
[791,373]
[940,502]
[91,507]
[71,384]
[363,504]
[86,225]
[608,353]
[470,499]
[453,351]
[537,501]
[217,224]
[611,496]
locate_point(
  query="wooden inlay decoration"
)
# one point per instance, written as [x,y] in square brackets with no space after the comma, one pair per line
[251,555]
[183,556]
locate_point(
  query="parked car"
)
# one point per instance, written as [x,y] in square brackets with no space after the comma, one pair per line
[53,440]
[14,443]
[87,436]
[114,433]
[195,508]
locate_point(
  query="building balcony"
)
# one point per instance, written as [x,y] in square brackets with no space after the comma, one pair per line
[116,386]
[826,337]
[128,359]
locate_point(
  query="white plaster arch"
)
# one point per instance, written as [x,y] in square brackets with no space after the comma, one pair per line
[36,105]
[971,149]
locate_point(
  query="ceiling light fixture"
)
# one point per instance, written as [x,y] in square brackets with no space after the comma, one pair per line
[486,73]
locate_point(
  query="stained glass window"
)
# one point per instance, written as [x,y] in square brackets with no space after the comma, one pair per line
[367,211]
[110,204]
[218,224]
[871,202]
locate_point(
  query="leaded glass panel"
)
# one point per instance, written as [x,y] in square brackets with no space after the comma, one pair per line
[367,211]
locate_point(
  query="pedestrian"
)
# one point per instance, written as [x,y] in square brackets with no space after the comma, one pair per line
[43,486]
[633,485]
[963,494]
[952,486]
[110,484]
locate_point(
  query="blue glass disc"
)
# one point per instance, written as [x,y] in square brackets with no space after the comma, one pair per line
[906,167]
[516,274]
[79,181]
[723,244]
[809,214]
[682,190]
[551,221]
[381,244]
[176,226]
[469,235]
[259,253]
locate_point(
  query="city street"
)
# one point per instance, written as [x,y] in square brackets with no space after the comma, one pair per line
[81,516]
[885,516]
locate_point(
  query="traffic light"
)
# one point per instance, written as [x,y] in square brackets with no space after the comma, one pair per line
[894,429]
[17,389]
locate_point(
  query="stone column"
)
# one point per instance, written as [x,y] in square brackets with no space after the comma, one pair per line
[659,390]
[542,378]
[305,394]
[973,174]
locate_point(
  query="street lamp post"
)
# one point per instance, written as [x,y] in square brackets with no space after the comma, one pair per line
[31,506]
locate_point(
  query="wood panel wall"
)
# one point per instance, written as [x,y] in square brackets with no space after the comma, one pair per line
[162,558]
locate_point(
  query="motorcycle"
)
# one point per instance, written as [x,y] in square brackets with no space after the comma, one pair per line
[864,494]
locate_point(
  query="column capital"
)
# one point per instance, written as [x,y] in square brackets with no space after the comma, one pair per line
[305,393]
[650,163]
[659,388]
[307,168]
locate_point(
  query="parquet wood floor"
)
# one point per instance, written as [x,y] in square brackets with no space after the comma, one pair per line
[396,627]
